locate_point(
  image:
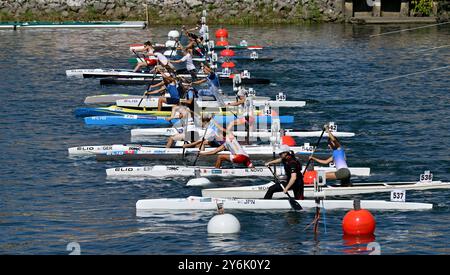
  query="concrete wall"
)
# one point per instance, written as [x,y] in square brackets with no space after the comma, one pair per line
[175,11]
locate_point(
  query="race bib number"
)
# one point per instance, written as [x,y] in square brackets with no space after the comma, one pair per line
[427,176]
[280,97]
[267,110]
[332,127]
[398,195]
[251,92]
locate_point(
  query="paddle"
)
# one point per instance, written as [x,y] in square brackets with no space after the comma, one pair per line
[294,204]
[317,145]
[138,56]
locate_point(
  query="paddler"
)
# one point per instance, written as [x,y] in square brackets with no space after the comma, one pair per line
[212,137]
[212,79]
[190,67]
[237,153]
[188,129]
[293,170]
[342,172]
[170,85]
[146,61]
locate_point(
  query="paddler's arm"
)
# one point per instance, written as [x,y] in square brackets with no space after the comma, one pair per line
[192,144]
[198,82]
[213,152]
[332,137]
[162,89]
[322,161]
[291,182]
[237,103]
[223,130]
[272,162]
[235,122]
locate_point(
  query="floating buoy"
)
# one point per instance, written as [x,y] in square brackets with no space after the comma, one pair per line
[222,43]
[224,224]
[198,182]
[221,33]
[358,222]
[227,52]
[228,64]
[288,140]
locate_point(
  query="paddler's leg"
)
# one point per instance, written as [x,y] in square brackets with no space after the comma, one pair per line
[220,159]
[139,65]
[169,142]
[161,100]
[272,189]
[298,189]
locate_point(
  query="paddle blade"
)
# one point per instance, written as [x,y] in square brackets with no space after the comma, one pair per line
[295,205]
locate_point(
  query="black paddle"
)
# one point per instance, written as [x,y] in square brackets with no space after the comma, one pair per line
[317,145]
[294,204]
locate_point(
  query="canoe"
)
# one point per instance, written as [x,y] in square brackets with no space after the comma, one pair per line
[207,203]
[170,171]
[161,121]
[73,24]
[258,191]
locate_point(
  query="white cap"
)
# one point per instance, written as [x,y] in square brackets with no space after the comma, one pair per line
[283,149]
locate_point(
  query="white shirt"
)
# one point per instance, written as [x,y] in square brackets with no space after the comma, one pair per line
[189,63]
[162,59]
[233,146]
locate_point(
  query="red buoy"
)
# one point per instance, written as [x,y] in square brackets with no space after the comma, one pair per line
[358,222]
[222,43]
[228,65]
[221,33]
[227,52]
[288,140]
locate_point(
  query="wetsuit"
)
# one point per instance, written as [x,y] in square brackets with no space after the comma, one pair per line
[291,165]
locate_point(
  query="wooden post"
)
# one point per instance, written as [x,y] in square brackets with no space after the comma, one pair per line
[348,8]
[404,8]
[147,19]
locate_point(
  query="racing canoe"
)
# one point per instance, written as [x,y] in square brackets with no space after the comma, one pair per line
[207,203]
[258,191]
[161,121]
[169,171]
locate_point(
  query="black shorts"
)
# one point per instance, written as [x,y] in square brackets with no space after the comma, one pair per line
[170,100]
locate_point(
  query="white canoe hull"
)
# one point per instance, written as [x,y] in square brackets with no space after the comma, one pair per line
[258,191]
[159,171]
[136,149]
[260,134]
[256,102]
[152,102]
[205,203]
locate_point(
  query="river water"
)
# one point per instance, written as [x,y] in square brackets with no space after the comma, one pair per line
[402,128]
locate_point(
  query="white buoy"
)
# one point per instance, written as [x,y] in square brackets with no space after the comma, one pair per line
[198,182]
[224,224]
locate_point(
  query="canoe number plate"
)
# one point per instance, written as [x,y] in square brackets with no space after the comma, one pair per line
[398,195]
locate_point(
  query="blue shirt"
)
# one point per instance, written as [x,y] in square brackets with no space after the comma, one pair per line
[339,158]
[173,91]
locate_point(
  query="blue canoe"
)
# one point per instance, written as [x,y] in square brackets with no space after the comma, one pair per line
[161,121]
